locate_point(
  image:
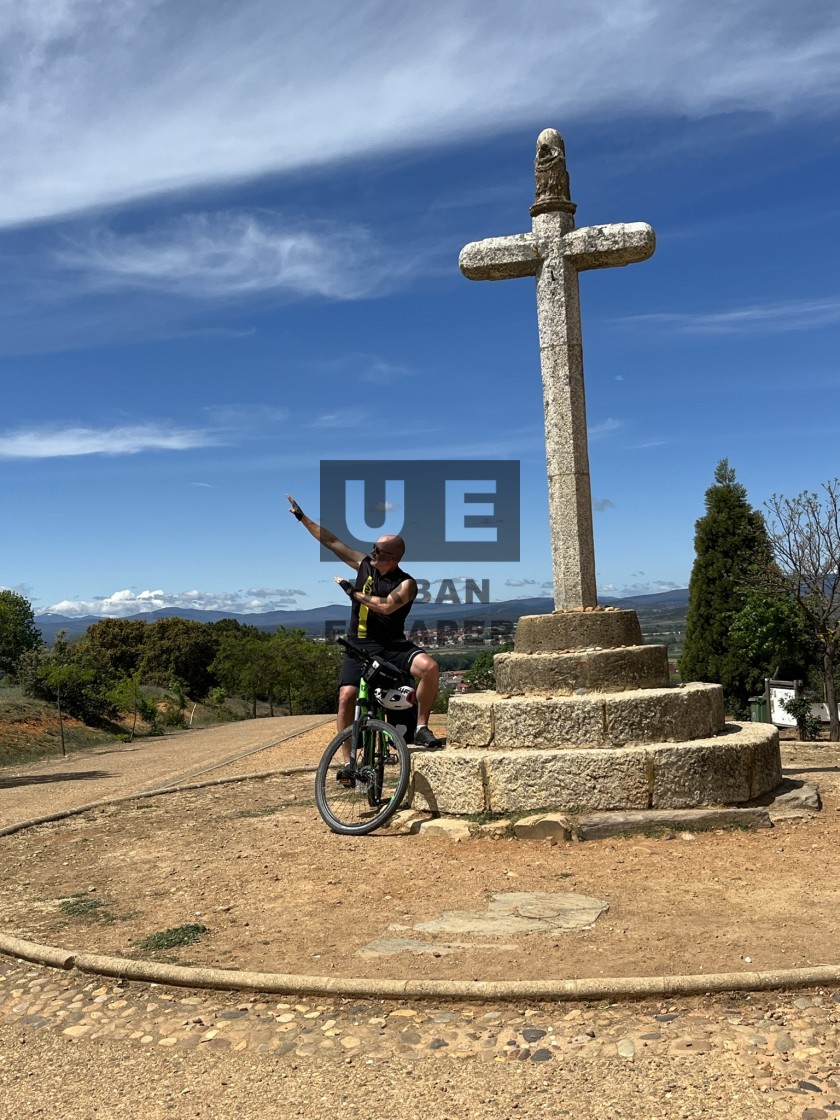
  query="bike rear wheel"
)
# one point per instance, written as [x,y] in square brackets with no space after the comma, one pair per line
[373,783]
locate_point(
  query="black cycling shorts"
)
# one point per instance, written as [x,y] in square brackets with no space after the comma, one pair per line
[401,654]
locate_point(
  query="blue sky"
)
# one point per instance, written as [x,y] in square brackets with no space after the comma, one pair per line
[229,239]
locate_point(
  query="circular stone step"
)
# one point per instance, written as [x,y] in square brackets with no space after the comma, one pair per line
[598,720]
[608,670]
[575,630]
[740,764]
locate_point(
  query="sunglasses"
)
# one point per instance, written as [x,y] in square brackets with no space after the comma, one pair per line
[377,551]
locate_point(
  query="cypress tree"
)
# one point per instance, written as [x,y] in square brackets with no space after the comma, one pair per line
[731,545]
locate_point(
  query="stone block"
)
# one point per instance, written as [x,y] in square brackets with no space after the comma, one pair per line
[660,714]
[405,821]
[449,829]
[567,781]
[543,826]
[447,782]
[494,830]
[607,670]
[598,826]
[569,630]
[540,722]
[792,800]
[470,720]
[705,772]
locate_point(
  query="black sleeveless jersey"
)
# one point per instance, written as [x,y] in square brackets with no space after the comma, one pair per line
[368,624]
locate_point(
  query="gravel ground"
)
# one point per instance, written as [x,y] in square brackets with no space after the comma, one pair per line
[78,1047]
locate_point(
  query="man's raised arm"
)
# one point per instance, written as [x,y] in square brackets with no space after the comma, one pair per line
[325,537]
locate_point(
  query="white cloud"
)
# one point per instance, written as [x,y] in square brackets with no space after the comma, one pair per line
[120,604]
[235,253]
[54,442]
[772,317]
[521,583]
[108,102]
[346,418]
[604,428]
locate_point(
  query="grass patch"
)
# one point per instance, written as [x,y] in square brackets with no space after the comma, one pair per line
[172,938]
[85,908]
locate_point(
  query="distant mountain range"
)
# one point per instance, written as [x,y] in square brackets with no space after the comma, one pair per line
[669,605]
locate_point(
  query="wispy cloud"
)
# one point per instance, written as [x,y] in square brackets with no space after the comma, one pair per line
[55,442]
[772,317]
[106,103]
[120,604]
[604,428]
[345,418]
[233,253]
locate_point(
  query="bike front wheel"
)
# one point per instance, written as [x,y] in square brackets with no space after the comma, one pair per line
[358,796]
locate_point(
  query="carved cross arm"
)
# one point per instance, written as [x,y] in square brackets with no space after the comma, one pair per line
[609,246]
[501,258]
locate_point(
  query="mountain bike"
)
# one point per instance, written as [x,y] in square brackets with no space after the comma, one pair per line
[364,772]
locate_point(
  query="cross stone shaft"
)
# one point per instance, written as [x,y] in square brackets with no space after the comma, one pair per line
[555,252]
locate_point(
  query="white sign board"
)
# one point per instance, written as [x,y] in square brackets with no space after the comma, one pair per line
[778,692]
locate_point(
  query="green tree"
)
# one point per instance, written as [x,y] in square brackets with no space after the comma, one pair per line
[244,665]
[482,673]
[730,545]
[78,684]
[121,640]
[127,696]
[18,632]
[310,672]
[805,535]
[182,648]
[769,636]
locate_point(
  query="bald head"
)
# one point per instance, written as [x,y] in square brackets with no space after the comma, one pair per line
[390,548]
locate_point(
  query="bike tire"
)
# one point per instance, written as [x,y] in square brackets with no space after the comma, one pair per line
[348,810]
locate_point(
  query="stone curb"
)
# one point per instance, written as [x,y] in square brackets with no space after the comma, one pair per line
[626,987]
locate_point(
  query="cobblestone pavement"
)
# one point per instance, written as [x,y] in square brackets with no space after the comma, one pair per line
[785,1046]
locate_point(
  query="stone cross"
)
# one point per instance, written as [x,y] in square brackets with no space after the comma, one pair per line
[555,252]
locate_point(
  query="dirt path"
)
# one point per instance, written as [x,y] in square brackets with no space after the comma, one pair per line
[55,784]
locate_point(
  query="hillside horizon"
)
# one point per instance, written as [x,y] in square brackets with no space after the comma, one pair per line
[313,619]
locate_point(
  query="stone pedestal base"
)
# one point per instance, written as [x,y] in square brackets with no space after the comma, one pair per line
[585,720]
[739,764]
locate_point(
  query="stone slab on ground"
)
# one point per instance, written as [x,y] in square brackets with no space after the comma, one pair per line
[598,826]
[543,826]
[791,800]
[451,828]
[514,912]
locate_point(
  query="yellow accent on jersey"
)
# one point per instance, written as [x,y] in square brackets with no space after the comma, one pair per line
[363,609]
